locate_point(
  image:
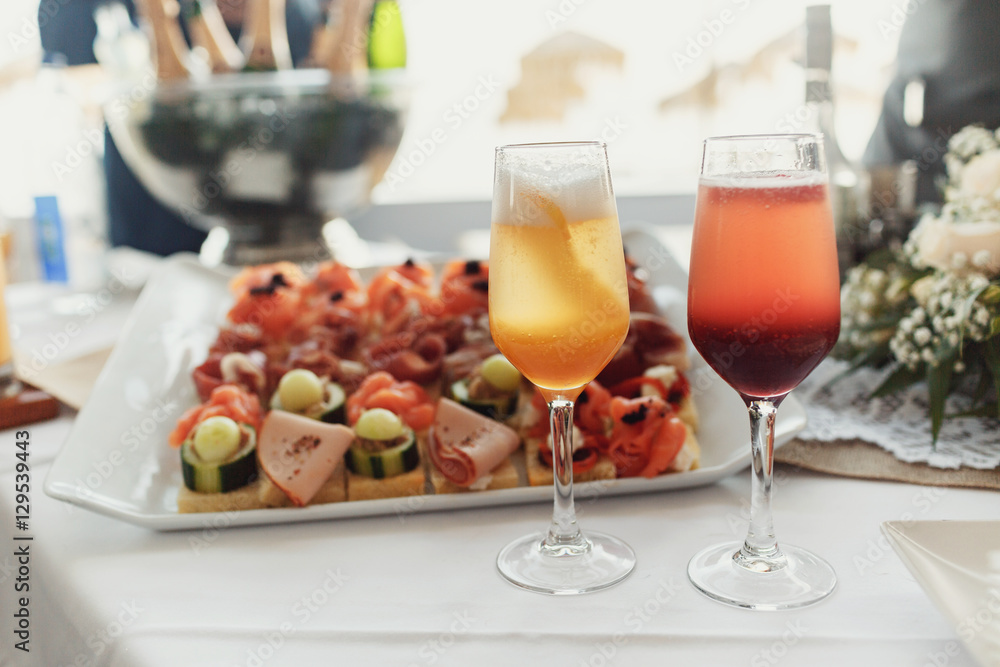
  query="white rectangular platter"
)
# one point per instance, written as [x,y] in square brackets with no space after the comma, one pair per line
[116,460]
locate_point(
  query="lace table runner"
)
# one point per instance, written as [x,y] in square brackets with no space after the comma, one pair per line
[898,423]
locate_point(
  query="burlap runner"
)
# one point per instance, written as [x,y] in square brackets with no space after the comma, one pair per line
[856,458]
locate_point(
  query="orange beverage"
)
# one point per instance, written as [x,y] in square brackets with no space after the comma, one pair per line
[558,298]
[764,287]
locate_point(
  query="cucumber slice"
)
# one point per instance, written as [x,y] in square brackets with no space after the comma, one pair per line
[331,409]
[220,476]
[379,424]
[494,408]
[217,439]
[299,389]
[394,460]
[501,373]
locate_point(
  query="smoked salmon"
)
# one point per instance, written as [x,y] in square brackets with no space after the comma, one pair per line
[226,400]
[406,399]
[465,287]
[268,297]
[646,437]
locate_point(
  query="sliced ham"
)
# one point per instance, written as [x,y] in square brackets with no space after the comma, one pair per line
[405,356]
[465,445]
[299,453]
[651,341]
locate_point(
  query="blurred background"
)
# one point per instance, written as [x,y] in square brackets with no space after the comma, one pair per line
[650,78]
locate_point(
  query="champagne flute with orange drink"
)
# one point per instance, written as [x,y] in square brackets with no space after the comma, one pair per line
[559,311]
[763,310]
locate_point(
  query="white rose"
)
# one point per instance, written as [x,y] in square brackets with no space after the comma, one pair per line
[922,290]
[981,176]
[938,242]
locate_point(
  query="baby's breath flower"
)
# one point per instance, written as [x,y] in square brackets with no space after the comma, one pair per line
[855,275]
[876,279]
[958,251]
[981,259]
[977,281]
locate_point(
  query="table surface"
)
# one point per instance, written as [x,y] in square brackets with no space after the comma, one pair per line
[422,589]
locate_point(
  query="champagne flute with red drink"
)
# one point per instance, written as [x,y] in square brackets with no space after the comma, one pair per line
[763,310]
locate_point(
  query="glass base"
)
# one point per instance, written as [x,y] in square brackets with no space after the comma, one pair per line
[527,563]
[803,580]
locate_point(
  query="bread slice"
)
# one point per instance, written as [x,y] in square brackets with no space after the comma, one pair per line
[243,498]
[688,413]
[689,458]
[540,474]
[504,476]
[410,483]
[334,490]
[259,494]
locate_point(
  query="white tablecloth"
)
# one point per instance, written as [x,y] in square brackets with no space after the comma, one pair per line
[423,589]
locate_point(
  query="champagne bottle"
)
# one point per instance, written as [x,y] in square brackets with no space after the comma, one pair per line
[386,38]
[325,37]
[264,41]
[169,48]
[208,31]
[844,176]
[349,54]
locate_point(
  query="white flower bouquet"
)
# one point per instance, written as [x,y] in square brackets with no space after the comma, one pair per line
[933,308]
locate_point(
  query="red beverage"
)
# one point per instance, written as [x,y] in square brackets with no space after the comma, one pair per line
[764,288]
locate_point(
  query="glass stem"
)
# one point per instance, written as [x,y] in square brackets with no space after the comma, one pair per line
[564,536]
[760,551]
